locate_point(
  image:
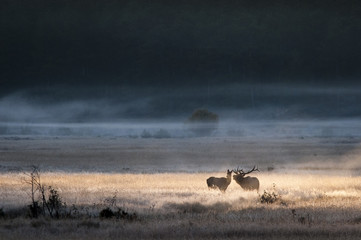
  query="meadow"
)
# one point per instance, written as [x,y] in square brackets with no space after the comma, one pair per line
[162,183]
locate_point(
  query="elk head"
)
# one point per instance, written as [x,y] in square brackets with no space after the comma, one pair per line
[220,183]
[247,183]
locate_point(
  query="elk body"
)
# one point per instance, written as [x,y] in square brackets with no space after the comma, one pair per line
[220,183]
[247,183]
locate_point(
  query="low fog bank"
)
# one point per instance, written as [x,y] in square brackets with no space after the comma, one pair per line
[258,129]
[243,110]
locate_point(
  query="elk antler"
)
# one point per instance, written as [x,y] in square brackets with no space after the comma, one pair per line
[252,170]
[240,171]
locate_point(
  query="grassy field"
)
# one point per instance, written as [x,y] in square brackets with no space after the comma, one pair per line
[317,195]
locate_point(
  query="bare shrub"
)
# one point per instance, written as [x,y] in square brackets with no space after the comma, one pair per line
[38,191]
[269,197]
[33,179]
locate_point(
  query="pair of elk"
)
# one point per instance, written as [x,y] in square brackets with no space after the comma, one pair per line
[247,183]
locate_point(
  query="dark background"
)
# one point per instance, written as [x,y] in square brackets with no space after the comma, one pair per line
[191,52]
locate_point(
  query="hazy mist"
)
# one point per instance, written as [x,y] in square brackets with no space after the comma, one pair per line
[244,110]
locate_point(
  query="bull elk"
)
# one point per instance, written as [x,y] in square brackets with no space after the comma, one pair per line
[247,183]
[220,183]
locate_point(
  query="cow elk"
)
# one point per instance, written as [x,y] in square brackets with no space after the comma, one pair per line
[247,183]
[220,183]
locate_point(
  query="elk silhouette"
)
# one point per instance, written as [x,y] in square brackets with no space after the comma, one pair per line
[247,183]
[220,183]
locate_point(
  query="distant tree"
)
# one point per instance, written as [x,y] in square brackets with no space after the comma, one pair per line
[203,122]
[203,116]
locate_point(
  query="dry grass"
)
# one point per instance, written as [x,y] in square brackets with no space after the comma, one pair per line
[179,205]
[317,180]
[90,188]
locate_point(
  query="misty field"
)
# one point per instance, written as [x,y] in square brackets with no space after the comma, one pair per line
[315,182]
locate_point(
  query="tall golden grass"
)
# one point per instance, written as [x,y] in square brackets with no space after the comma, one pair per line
[179,205]
[159,189]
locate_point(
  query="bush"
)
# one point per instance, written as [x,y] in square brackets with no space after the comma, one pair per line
[55,203]
[269,198]
[119,214]
[106,213]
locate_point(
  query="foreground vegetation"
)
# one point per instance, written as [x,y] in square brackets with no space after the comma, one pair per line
[179,205]
[144,189]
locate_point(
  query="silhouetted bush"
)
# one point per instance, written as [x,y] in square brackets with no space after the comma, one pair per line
[269,197]
[2,213]
[106,213]
[55,203]
[121,214]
